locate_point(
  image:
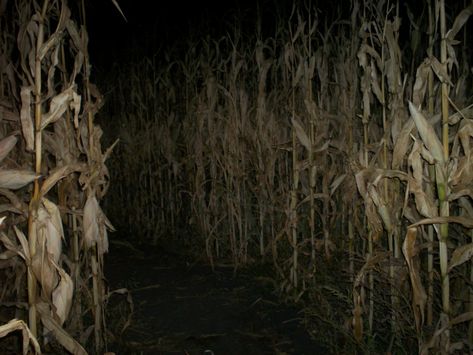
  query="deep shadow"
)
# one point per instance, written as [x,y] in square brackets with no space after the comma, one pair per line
[184,308]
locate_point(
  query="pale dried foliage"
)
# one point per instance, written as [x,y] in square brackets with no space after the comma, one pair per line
[52,165]
[321,148]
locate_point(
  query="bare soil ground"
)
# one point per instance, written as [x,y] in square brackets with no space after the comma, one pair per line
[182,308]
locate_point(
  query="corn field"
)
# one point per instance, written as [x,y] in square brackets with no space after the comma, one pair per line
[335,149]
[332,146]
[54,233]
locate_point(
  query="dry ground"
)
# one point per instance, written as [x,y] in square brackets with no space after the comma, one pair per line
[183,308]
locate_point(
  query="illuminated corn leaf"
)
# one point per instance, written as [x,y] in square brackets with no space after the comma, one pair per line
[15,179]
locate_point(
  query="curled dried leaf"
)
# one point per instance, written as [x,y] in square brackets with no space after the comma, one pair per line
[460,255]
[28,337]
[427,133]
[419,297]
[59,105]
[62,295]
[460,20]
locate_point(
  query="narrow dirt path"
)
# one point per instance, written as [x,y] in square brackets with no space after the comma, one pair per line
[188,309]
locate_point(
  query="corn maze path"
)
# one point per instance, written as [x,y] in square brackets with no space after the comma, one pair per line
[182,308]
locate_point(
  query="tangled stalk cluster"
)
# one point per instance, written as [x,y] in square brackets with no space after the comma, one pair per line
[338,150]
[52,177]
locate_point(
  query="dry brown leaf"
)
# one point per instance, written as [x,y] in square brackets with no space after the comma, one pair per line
[55,38]
[317,196]
[54,61]
[62,295]
[52,42]
[59,104]
[460,255]
[12,249]
[6,145]
[419,297]
[74,105]
[24,244]
[466,206]
[109,150]
[425,202]
[55,233]
[375,86]
[420,85]
[402,144]
[464,317]
[465,221]
[44,271]
[440,70]
[28,337]
[58,174]
[300,133]
[415,163]
[336,183]
[91,227]
[382,209]
[15,201]
[366,181]
[59,333]
[370,211]
[105,226]
[464,135]
[460,20]
[15,179]
[456,194]
[357,322]
[75,36]
[427,133]
[26,118]
[8,115]
[461,173]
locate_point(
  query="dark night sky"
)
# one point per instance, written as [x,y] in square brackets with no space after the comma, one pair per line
[162,22]
[156,24]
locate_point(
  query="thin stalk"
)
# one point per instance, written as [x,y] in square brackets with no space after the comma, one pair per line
[385,185]
[96,271]
[370,240]
[34,204]
[293,209]
[442,187]
[430,228]
[470,306]
[76,262]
